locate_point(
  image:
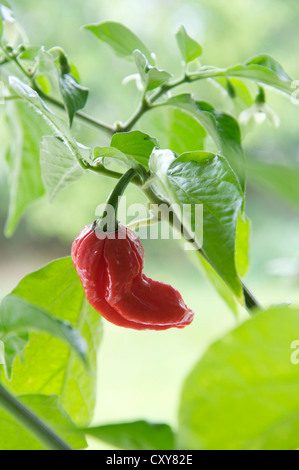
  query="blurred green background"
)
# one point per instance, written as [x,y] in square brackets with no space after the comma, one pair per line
[141,373]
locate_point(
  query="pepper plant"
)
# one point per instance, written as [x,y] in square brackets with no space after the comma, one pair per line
[48,388]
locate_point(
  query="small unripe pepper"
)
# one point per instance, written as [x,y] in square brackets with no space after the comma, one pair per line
[110,268]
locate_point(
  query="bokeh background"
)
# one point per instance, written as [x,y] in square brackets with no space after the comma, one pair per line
[141,373]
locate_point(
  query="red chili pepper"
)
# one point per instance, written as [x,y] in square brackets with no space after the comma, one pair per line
[110,270]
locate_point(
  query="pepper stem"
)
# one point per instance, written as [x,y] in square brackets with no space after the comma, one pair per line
[109,217]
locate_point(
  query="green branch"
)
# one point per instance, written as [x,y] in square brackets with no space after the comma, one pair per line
[112,202]
[31,422]
[147,104]
[143,108]
[82,116]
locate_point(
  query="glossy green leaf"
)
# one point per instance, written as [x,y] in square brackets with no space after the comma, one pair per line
[207,179]
[244,392]
[51,366]
[151,77]
[190,49]
[136,145]
[73,94]
[123,41]
[59,168]
[23,161]
[13,436]
[223,129]
[1,28]
[180,132]
[138,435]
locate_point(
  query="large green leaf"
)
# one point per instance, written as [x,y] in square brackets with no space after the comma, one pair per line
[244,392]
[123,41]
[223,129]
[50,365]
[190,49]
[138,435]
[181,132]
[207,179]
[151,77]
[13,436]
[59,168]
[26,184]
[70,155]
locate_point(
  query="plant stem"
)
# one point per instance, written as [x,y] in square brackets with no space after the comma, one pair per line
[82,116]
[31,422]
[100,169]
[146,105]
[102,224]
[250,301]
[167,87]
[143,108]
[10,98]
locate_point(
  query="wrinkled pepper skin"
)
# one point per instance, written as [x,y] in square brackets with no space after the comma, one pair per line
[110,270]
